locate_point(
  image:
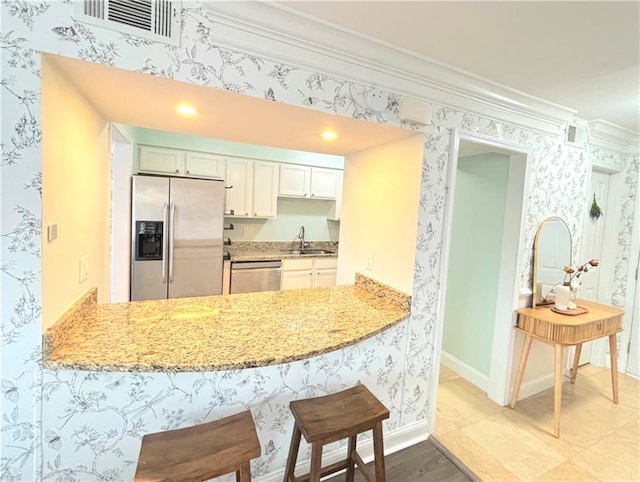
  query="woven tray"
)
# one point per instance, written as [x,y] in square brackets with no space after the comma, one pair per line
[579,310]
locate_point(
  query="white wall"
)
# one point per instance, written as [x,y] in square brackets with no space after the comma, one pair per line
[121,169]
[75,195]
[380,213]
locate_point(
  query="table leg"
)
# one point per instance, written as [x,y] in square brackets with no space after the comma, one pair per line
[521,366]
[576,360]
[613,351]
[557,391]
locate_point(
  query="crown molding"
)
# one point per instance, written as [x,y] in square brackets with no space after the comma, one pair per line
[610,136]
[281,34]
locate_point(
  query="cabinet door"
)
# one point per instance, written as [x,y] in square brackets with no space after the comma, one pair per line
[292,280]
[336,209]
[238,181]
[160,160]
[325,277]
[265,189]
[201,164]
[294,180]
[324,183]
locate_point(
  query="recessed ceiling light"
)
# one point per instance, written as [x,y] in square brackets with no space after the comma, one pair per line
[186,110]
[329,135]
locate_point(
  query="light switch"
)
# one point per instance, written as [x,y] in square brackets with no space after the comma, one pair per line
[52,232]
[84,268]
[369,264]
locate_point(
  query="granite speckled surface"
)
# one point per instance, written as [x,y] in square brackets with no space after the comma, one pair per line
[265,250]
[221,332]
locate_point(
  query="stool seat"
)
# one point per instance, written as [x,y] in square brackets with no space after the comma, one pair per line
[339,415]
[200,452]
[323,420]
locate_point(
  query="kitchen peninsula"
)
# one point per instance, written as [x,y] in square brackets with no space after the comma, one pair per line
[220,332]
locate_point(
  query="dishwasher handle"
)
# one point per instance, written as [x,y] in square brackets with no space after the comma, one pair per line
[266,264]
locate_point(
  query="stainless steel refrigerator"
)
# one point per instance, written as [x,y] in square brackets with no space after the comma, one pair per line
[176,248]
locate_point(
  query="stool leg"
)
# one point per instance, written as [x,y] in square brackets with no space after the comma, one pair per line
[293,453]
[378,452]
[316,462]
[243,474]
[351,471]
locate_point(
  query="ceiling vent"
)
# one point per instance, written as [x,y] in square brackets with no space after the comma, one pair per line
[575,135]
[156,20]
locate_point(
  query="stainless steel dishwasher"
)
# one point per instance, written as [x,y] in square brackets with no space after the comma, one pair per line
[252,276]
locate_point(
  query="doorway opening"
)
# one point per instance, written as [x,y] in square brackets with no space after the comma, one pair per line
[485,230]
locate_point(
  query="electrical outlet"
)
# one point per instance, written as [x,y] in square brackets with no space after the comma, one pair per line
[84,268]
[369,264]
[52,232]
[247,230]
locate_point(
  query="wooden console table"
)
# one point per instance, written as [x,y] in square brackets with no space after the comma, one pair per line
[562,330]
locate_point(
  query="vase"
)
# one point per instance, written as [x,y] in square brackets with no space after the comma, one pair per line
[563,294]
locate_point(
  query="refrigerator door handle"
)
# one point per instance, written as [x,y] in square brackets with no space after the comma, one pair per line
[171,240]
[165,223]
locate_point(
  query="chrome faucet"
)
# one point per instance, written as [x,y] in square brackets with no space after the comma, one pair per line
[301,237]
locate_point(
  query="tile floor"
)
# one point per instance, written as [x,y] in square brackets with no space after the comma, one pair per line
[598,440]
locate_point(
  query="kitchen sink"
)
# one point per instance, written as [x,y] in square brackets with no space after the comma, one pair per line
[306,251]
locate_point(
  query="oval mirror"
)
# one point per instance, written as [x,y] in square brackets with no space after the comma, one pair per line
[551,252]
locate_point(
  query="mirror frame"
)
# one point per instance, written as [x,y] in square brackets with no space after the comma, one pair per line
[535,259]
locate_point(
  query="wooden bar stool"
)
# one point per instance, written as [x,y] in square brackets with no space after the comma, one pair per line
[323,420]
[200,452]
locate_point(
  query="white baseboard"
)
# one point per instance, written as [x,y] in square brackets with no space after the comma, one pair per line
[537,385]
[394,441]
[467,372]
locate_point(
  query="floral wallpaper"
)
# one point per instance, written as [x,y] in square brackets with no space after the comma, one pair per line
[74,425]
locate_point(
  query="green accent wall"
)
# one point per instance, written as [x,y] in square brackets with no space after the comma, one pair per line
[474,258]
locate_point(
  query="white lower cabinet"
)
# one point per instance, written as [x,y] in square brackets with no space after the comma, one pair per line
[324,278]
[308,273]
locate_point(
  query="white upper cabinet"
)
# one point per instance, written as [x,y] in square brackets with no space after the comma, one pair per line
[295,180]
[177,162]
[160,160]
[239,184]
[252,188]
[202,164]
[256,184]
[309,182]
[265,189]
[324,183]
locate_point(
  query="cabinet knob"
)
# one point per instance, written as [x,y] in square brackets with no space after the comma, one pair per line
[305,194]
[177,171]
[188,172]
[246,214]
[255,214]
[312,194]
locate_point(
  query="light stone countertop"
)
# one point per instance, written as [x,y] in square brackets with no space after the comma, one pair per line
[250,251]
[267,255]
[220,332]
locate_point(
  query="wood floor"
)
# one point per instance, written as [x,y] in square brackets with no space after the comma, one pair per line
[598,440]
[420,462]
